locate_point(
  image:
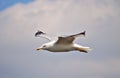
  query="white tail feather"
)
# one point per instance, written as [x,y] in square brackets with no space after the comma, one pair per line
[82,48]
[86,49]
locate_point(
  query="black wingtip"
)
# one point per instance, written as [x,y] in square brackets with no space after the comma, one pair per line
[83,33]
[39,33]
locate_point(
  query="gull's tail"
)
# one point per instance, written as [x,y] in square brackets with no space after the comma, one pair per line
[83,49]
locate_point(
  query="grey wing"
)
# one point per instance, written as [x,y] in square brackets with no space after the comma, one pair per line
[69,39]
[42,34]
[39,33]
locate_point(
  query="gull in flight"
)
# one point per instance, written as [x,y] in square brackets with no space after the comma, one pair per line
[62,44]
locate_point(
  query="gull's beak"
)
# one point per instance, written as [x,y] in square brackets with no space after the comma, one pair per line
[39,49]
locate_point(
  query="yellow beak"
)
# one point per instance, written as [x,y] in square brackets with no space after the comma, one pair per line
[39,49]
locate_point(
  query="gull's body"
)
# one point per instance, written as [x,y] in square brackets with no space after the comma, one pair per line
[53,47]
[64,44]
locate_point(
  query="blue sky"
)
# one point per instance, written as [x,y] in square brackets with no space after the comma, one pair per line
[19,20]
[4,4]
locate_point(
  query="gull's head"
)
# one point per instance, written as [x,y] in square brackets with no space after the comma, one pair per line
[46,46]
[43,47]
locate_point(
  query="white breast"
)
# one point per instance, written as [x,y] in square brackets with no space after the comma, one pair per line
[61,48]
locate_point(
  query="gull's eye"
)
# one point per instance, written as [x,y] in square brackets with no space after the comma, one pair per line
[44,46]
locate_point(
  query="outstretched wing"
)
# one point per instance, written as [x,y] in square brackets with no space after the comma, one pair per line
[42,34]
[39,33]
[69,39]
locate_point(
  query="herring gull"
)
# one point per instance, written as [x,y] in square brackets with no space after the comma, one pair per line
[62,44]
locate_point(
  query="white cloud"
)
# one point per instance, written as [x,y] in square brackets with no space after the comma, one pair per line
[53,15]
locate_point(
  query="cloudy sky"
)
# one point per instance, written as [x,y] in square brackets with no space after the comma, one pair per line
[20,19]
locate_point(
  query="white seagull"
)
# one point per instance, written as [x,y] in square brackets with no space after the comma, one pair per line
[63,44]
